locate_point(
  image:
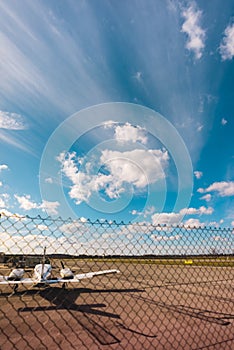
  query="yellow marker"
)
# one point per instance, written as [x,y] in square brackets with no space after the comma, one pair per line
[188,262]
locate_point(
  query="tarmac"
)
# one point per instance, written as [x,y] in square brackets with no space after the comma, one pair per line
[145,306]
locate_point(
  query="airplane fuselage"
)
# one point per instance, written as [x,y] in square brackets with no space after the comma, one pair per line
[42,272]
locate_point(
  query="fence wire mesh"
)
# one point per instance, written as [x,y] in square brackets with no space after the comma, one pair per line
[108,285]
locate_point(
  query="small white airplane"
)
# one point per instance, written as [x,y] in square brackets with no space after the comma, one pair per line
[42,276]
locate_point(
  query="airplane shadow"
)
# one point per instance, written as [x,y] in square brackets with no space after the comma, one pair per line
[65,299]
[202,314]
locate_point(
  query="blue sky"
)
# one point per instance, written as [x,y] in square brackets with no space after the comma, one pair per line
[116,109]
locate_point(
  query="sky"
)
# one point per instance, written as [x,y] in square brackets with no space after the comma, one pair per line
[118,110]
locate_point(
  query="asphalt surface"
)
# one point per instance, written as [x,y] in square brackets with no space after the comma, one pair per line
[144,307]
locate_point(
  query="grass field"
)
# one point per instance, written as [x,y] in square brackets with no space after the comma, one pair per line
[219,261]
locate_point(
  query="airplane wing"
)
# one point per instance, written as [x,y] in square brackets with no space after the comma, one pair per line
[81,276]
[5,281]
[96,273]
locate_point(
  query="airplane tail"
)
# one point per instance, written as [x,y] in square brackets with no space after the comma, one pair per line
[43,262]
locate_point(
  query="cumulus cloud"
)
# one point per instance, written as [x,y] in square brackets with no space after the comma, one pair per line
[198,174]
[193,223]
[166,218]
[49,207]
[227,45]
[130,133]
[127,132]
[147,212]
[3,167]
[206,197]
[216,224]
[11,121]
[193,29]
[200,211]
[176,218]
[75,228]
[27,204]
[224,188]
[137,168]
[4,198]
[223,121]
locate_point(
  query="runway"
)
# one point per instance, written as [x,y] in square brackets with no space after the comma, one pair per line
[146,306]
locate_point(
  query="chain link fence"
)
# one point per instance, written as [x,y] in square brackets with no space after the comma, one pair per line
[114,286]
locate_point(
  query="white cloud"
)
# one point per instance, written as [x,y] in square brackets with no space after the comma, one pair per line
[224,188]
[2,203]
[200,211]
[215,223]
[130,133]
[137,168]
[227,45]
[176,218]
[74,228]
[109,124]
[69,167]
[3,167]
[49,180]
[200,127]
[127,132]
[193,223]
[27,204]
[148,211]
[223,121]
[11,121]
[191,26]
[4,198]
[201,190]
[49,207]
[206,197]
[166,218]
[198,174]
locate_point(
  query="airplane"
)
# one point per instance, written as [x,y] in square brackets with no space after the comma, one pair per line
[42,276]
